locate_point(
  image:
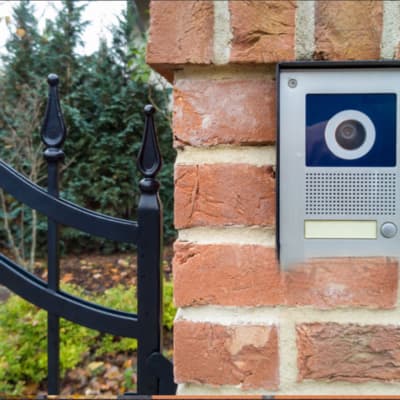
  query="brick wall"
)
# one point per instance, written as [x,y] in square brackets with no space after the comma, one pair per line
[245,326]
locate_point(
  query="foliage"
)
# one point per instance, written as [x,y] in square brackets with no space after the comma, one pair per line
[23,327]
[169,310]
[21,105]
[102,98]
[23,354]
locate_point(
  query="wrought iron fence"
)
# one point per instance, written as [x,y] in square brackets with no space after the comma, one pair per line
[154,371]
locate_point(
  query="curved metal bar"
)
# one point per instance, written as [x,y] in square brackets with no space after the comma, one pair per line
[65,212]
[65,305]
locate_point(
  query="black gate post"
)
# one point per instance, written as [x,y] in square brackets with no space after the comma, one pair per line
[53,135]
[149,276]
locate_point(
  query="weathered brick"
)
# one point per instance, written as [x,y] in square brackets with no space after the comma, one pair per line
[348,352]
[234,111]
[181,32]
[263,31]
[248,275]
[346,281]
[226,355]
[224,194]
[226,274]
[348,30]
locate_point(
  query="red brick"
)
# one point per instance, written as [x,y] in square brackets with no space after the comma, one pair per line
[181,32]
[226,274]
[224,194]
[348,352]
[339,282]
[348,30]
[248,275]
[234,111]
[263,31]
[226,355]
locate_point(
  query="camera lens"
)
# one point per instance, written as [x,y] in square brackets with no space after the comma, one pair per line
[350,134]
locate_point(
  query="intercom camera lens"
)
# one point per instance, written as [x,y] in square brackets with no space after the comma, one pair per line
[350,134]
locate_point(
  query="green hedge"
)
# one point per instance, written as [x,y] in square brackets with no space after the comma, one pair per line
[23,341]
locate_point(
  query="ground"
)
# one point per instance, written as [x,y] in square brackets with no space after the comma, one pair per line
[96,273]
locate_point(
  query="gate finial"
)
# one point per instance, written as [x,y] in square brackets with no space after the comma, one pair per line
[53,129]
[149,159]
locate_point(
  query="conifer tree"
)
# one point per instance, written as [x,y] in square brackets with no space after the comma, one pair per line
[64,35]
[21,59]
[22,99]
[102,98]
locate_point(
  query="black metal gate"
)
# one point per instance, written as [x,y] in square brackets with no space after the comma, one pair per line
[154,372]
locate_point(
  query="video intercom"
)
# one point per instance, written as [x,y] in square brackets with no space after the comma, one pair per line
[338,160]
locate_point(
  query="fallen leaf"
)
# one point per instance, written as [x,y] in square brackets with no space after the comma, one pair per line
[128,363]
[95,365]
[113,373]
[31,388]
[67,278]
[123,263]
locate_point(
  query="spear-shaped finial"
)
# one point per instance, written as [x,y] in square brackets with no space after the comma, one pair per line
[53,129]
[149,159]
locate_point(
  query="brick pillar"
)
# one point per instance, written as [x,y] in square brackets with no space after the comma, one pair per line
[245,326]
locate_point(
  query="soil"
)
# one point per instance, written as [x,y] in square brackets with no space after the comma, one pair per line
[115,374]
[97,273]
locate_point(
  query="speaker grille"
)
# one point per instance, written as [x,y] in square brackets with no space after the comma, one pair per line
[344,193]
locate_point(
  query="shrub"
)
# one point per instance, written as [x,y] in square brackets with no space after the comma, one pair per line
[23,341]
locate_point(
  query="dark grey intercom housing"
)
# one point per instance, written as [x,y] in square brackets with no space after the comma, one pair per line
[338,160]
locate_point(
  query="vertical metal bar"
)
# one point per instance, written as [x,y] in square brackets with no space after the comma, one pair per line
[149,257]
[53,339]
[53,135]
